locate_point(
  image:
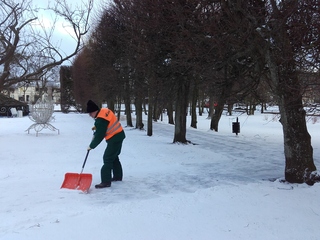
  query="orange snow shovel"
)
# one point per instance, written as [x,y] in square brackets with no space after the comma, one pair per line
[78,181]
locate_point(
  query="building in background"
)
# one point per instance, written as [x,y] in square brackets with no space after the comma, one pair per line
[31,94]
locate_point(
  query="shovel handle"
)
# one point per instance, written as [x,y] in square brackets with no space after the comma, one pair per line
[85,160]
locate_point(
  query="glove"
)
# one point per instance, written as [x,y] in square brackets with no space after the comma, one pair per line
[89,148]
[93,128]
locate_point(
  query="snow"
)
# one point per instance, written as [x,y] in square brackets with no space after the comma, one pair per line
[216,188]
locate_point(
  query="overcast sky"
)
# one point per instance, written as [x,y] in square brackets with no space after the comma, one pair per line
[62,32]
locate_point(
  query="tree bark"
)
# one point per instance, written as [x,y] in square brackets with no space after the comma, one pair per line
[127,102]
[224,94]
[138,106]
[215,118]
[150,111]
[297,142]
[170,113]
[181,106]
[298,151]
[194,107]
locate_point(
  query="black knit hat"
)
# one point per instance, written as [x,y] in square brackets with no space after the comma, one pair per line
[92,107]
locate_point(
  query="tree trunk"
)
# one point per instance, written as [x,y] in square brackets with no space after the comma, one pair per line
[145,107]
[218,109]
[201,102]
[297,142]
[298,151]
[138,106]
[127,102]
[200,106]
[230,107]
[170,113]
[222,99]
[110,104]
[150,112]
[155,114]
[194,107]
[181,106]
[211,106]
[262,108]
[128,112]
[119,107]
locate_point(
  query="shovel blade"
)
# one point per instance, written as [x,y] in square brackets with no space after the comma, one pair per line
[78,181]
[85,182]
[71,180]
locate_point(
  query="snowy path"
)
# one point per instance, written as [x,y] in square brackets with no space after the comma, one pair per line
[213,160]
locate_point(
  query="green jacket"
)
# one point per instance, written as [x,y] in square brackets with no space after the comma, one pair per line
[101,127]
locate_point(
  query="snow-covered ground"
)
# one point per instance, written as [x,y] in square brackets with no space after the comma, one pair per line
[216,188]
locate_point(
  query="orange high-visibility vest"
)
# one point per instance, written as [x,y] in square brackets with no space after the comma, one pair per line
[114,125]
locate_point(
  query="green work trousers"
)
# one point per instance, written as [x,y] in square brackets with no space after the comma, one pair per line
[111,162]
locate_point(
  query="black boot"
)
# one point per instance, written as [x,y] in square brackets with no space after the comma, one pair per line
[103,185]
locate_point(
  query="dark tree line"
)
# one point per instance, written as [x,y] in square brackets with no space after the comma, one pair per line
[176,53]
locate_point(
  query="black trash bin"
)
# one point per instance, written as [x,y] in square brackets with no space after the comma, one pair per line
[236,127]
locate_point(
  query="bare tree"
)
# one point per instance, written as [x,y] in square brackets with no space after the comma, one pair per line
[27,47]
[292,45]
